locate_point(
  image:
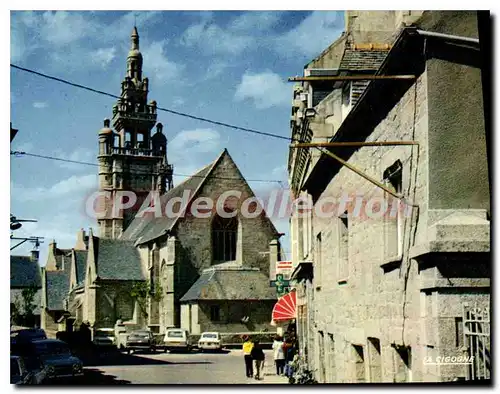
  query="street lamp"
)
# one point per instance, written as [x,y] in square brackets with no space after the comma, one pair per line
[15,223]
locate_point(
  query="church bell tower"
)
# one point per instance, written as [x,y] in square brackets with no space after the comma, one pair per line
[130,158]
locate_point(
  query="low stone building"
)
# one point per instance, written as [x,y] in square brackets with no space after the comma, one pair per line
[385,297]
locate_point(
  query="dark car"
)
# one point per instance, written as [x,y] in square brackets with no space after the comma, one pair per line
[57,358]
[25,336]
[140,340]
[26,371]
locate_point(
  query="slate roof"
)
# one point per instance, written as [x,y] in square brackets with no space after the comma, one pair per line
[362,59]
[147,227]
[81,262]
[24,272]
[231,284]
[117,260]
[61,254]
[57,289]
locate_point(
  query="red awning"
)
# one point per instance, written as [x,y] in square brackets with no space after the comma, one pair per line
[285,308]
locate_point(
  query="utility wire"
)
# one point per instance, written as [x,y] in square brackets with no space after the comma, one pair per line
[158,108]
[19,154]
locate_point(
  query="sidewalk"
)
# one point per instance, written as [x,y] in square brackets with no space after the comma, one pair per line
[269,374]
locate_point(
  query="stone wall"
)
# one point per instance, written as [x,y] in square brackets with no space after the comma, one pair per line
[231,313]
[115,302]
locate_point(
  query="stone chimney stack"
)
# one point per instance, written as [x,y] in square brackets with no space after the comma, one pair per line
[35,254]
[80,240]
[274,255]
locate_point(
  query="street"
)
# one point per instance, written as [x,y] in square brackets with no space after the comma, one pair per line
[178,368]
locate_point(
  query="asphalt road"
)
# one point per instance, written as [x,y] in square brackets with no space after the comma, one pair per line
[176,368]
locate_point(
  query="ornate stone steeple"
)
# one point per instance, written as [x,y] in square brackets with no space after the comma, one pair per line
[129,159]
[134,58]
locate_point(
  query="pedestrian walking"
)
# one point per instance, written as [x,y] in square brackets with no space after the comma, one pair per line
[258,357]
[247,354]
[279,355]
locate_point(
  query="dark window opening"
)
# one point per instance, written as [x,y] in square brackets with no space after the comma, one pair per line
[224,236]
[346,94]
[215,313]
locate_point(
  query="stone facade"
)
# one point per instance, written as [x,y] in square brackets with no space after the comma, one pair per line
[387,293]
[188,250]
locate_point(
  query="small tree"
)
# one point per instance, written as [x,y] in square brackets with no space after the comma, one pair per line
[144,293]
[23,308]
[29,306]
[15,311]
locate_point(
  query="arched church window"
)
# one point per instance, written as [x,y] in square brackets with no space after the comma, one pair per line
[224,236]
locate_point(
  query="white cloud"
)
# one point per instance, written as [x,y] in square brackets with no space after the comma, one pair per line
[195,141]
[63,27]
[266,89]
[213,40]
[158,65]
[25,147]
[178,101]
[215,69]
[40,104]
[261,20]
[66,188]
[79,154]
[312,35]
[191,150]
[102,57]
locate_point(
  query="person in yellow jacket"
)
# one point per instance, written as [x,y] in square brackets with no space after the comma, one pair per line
[247,354]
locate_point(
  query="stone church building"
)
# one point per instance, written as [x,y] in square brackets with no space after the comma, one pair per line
[209,273]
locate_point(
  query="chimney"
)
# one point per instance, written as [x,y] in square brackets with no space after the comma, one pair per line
[80,240]
[35,254]
[53,247]
[274,247]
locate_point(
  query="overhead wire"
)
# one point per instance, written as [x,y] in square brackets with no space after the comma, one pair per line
[224,124]
[19,153]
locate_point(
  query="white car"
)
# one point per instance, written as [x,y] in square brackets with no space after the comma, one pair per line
[210,341]
[177,339]
[104,337]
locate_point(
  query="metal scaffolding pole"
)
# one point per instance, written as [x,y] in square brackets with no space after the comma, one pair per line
[362,174]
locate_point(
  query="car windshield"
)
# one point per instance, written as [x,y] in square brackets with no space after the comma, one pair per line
[14,367]
[32,335]
[176,334]
[210,335]
[46,349]
[104,333]
[141,334]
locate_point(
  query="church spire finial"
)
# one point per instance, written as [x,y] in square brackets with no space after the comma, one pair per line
[134,38]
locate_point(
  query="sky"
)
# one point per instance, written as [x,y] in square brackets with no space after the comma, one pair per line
[229,66]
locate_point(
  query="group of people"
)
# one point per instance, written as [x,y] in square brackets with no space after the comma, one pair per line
[284,350]
[253,354]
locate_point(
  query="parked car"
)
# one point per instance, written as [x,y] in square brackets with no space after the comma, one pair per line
[104,338]
[20,339]
[209,341]
[140,340]
[177,339]
[24,371]
[56,356]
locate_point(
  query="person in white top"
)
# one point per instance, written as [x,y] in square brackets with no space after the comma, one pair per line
[279,355]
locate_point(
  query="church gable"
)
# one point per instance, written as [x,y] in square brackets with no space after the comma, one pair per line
[220,176]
